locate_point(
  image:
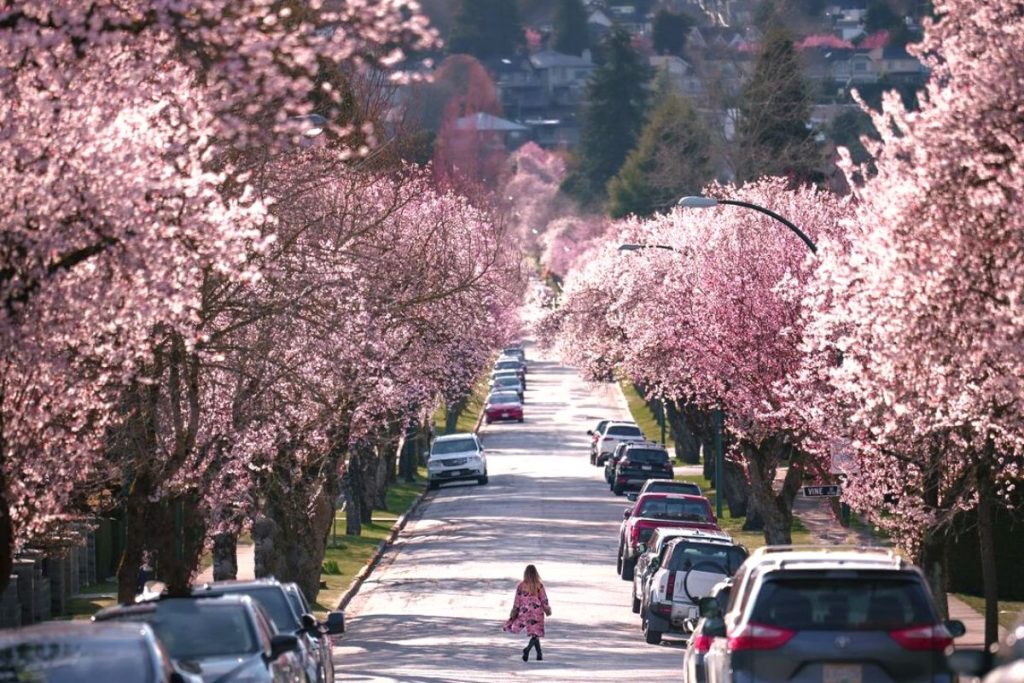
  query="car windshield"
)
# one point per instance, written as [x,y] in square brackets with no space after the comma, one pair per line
[506,381]
[647,456]
[624,430]
[507,365]
[453,446]
[843,601]
[701,556]
[507,397]
[275,602]
[674,509]
[196,630]
[75,659]
[669,486]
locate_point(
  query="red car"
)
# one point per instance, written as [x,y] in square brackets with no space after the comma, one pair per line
[504,405]
[653,510]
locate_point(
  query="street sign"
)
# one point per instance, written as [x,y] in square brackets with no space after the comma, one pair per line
[821,491]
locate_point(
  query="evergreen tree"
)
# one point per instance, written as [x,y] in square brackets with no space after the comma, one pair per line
[615,110]
[775,108]
[571,35]
[669,32]
[486,28]
[672,159]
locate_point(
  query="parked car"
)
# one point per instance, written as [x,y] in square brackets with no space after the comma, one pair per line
[704,634]
[688,568]
[223,638]
[319,636]
[503,405]
[507,384]
[509,363]
[594,435]
[639,462]
[1005,666]
[646,564]
[495,374]
[653,510]
[517,352]
[615,433]
[71,651]
[666,486]
[456,457]
[830,614]
[612,460]
[273,597]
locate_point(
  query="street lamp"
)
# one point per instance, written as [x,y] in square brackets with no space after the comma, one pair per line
[711,202]
[638,247]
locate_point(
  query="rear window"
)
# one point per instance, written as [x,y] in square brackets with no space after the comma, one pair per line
[507,365]
[669,486]
[453,446]
[506,380]
[505,397]
[647,456]
[687,555]
[201,631]
[275,602]
[858,601]
[624,430]
[675,509]
[75,659]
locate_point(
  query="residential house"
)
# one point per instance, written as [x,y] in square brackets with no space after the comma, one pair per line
[896,65]
[508,134]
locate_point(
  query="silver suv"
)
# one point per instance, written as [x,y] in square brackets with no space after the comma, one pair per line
[829,614]
[456,457]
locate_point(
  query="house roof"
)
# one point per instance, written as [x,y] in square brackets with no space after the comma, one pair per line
[482,121]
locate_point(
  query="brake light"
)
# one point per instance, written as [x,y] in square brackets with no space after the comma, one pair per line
[701,643]
[634,534]
[920,638]
[670,589]
[760,637]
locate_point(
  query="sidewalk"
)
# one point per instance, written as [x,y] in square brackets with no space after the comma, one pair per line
[816,515]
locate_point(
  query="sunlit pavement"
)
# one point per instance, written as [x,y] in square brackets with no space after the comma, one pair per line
[433,609]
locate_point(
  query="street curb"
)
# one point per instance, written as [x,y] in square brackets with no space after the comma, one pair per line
[396,529]
[364,573]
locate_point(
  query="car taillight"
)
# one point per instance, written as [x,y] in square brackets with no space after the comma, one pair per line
[670,589]
[760,637]
[634,534]
[923,638]
[700,643]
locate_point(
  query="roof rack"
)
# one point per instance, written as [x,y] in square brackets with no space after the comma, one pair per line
[873,549]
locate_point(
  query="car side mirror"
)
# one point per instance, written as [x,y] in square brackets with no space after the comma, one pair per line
[631,497]
[282,643]
[309,623]
[955,627]
[974,663]
[335,623]
[626,513]
[709,607]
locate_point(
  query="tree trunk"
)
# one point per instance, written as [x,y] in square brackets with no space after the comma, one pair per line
[178,541]
[932,558]
[6,532]
[266,538]
[225,556]
[775,508]
[986,544]
[136,508]
[687,445]
[451,416]
[353,498]
[737,495]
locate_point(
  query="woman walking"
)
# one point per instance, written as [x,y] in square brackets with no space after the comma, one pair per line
[528,611]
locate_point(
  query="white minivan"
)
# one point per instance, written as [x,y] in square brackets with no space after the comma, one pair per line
[456,457]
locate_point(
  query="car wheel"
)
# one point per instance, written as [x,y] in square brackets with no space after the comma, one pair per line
[618,561]
[628,566]
[650,635]
[636,605]
[617,490]
[520,420]
[482,480]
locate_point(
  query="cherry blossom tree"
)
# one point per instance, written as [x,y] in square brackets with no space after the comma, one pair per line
[120,121]
[917,343]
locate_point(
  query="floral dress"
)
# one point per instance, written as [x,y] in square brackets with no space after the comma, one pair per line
[531,612]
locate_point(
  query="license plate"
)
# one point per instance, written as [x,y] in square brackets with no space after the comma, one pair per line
[504,414]
[645,468]
[842,673]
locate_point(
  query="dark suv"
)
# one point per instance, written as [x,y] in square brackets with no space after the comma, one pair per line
[836,614]
[638,463]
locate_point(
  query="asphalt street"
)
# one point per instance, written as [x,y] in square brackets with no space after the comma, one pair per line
[433,608]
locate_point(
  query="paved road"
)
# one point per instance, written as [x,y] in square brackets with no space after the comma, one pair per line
[433,609]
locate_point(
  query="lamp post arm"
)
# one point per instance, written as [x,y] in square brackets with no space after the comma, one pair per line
[769,212]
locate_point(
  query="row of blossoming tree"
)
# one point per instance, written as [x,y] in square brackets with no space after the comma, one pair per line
[204,320]
[899,346]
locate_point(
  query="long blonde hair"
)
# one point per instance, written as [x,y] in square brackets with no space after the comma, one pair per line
[531,580]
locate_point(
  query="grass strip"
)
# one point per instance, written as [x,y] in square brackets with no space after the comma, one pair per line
[644,416]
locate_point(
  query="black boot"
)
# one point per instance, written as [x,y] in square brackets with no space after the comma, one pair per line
[526,651]
[536,644]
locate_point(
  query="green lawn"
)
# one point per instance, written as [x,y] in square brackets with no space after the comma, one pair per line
[734,526]
[346,555]
[644,416]
[1009,611]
